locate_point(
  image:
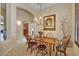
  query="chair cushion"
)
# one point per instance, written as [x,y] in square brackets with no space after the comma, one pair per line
[32,43]
[42,47]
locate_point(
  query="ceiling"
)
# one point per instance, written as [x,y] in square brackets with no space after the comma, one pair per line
[36,6]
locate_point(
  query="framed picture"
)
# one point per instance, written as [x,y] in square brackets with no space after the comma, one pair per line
[49,22]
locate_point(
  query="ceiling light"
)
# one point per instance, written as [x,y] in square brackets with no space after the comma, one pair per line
[40,15]
[18,23]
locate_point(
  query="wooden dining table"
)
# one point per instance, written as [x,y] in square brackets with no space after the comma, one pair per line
[50,41]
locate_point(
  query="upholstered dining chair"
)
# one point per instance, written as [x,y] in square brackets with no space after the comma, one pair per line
[62,45]
[41,48]
[31,43]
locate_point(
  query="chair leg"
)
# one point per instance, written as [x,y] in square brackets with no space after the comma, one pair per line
[46,52]
[31,50]
[37,52]
[56,53]
[42,53]
[65,53]
[27,48]
[60,53]
[35,47]
[53,47]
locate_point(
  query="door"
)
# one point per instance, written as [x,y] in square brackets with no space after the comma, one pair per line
[25,29]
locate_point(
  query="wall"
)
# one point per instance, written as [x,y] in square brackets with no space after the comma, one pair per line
[63,12]
[26,7]
[23,15]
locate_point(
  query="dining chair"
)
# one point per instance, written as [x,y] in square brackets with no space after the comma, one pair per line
[62,45]
[41,48]
[31,43]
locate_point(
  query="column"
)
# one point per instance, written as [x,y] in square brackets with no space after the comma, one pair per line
[11,21]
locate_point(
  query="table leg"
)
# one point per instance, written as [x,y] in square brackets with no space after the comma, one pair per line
[50,50]
[53,47]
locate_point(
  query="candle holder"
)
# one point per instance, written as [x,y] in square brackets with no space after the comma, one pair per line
[40,33]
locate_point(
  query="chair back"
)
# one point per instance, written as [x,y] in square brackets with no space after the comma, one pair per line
[28,39]
[64,44]
[66,40]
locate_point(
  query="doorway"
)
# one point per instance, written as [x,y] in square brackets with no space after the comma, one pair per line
[25,28]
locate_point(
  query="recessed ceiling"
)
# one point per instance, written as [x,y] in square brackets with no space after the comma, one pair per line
[36,6]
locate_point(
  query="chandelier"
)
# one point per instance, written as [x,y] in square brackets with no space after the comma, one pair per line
[40,15]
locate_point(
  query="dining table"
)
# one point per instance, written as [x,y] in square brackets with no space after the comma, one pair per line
[50,41]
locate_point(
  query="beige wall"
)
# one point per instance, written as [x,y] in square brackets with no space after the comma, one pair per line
[61,11]
[26,7]
[23,15]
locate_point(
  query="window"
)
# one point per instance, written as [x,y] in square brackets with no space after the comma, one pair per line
[32,28]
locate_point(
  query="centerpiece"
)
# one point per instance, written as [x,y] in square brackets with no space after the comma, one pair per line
[40,33]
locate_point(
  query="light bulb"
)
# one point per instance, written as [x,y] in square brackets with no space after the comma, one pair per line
[40,17]
[18,23]
[36,19]
[45,18]
[2,23]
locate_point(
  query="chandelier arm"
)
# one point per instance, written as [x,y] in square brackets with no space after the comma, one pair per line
[40,13]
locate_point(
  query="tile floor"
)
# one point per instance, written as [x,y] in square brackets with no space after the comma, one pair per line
[20,50]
